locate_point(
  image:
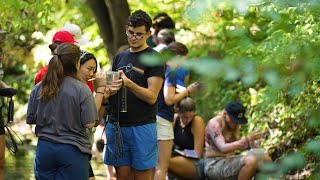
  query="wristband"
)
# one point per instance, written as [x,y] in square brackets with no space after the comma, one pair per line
[246,143]
[247,139]
[100,92]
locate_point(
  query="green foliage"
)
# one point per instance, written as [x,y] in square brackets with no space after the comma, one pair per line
[264,53]
[270,62]
[31,24]
[292,161]
[313,146]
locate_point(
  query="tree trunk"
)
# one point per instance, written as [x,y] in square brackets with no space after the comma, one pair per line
[111,17]
[1,42]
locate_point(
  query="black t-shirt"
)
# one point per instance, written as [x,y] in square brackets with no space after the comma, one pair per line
[138,111]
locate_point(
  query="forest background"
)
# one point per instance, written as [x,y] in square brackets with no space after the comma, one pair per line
[264,53]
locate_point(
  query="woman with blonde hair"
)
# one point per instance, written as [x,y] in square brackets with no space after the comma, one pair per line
[222,140]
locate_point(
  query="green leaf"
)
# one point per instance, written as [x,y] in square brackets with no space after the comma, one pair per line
[314,121]
[154,59]
[292,161]
[313,146]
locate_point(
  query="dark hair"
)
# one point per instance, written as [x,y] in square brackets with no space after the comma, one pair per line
[86,56]
[139,18]
[177,48]
[54,46]
[63,63]
[166,36]
[162,21]
[160,15]
[186,105]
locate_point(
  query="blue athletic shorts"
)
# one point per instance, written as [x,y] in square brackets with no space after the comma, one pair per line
[139,148]
[60,161]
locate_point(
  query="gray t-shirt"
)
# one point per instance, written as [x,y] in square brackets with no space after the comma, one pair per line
[62,119]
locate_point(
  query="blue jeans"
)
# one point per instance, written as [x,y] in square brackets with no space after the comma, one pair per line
[139,148]
[55,161]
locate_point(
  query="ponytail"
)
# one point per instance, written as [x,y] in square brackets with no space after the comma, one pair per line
[52,79]
[65,62]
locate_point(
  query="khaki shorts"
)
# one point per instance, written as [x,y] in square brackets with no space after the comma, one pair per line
[223,167]
[164,129]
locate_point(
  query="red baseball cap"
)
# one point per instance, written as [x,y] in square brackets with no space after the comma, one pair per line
[63,37]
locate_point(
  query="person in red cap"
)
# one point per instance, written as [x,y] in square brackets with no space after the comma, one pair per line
[63,37]
[76,33]
[58,38]
[222,139]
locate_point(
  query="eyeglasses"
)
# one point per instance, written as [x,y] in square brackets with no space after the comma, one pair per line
[138,35]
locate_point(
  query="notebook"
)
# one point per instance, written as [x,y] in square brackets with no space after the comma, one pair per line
[187,153]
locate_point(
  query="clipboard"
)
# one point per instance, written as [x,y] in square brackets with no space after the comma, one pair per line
[187,153]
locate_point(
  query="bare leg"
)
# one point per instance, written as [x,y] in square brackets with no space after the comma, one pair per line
[249,168]
[183,167]
[164,155]
[111,175]
[143,174]
[124,173]
[110,170]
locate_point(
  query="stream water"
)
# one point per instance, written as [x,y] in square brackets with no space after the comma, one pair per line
[20,167]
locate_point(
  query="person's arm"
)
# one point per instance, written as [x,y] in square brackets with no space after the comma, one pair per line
[32,108]
[108,91]
[198,131]
[88,109]
[174,120]
[186,80]
[100,93]
[219,140]
[3,85]
[213,153]
[149,94]
[99,98]
[91,125]
[171,97]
